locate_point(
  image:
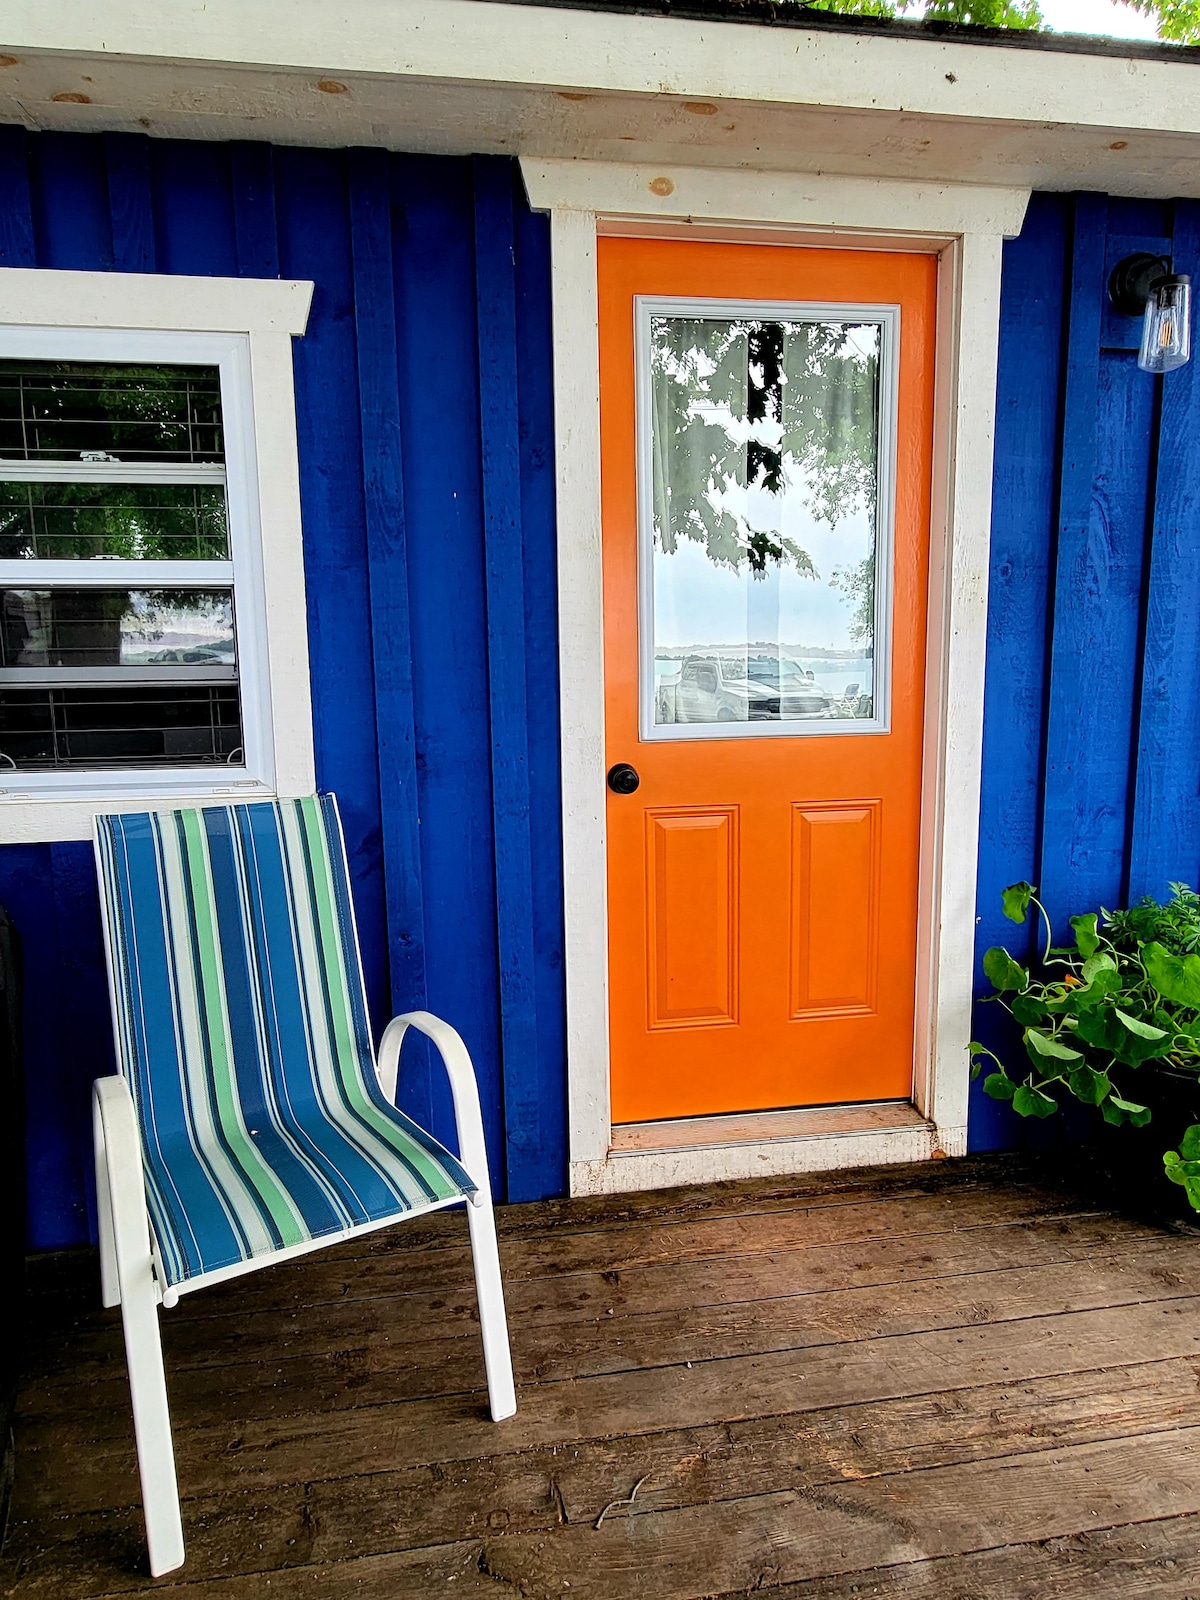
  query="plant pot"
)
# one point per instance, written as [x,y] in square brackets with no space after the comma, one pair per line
[1130,1160]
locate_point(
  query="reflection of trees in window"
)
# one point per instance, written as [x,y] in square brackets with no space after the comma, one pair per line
[123,463]
[68,410]
[760,405]
[133,522]
[857,583]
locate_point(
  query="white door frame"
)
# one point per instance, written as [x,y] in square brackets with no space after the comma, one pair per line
[965,226]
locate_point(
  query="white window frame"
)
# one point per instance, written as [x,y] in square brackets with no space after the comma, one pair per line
[244,327]
[887,320]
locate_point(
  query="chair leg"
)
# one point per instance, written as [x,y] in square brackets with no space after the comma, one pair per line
[497,1357]
[119,1158]
[151,1420]
[472,1150]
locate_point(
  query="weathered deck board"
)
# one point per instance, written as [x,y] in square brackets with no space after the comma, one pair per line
[925,1383]
[373,1366]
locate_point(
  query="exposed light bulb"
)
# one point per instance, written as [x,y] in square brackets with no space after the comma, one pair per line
[1166,324]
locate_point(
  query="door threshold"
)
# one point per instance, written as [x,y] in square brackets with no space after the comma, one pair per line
[763,1127]
[762,1144]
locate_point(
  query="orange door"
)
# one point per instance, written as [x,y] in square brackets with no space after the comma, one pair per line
[766,424]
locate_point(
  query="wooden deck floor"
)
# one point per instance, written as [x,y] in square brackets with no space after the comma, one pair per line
[949,1383]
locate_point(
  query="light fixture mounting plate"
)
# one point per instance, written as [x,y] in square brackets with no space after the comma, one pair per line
[1130,281]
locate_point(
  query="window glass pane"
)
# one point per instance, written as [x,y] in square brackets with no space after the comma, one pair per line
[129,521]
[81,410]
[119,725]
[117,628]
[763,500]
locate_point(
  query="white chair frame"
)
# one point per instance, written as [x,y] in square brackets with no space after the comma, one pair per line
[131,1274]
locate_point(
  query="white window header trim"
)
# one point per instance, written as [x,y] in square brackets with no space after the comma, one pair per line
[175,304]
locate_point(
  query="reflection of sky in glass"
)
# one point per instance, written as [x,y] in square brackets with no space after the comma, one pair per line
[697,602]
[189,634]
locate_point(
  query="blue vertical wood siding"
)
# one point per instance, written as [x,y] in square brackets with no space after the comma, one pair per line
[424,411]
[1091,780]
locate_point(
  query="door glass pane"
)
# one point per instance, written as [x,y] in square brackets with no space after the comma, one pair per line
[763,501]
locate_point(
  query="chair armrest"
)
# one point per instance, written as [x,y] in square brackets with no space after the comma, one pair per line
[468,1118]
[119,1143]
[115,1122]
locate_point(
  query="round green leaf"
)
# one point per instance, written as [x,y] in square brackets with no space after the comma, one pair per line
[1015,900]
[1138,1115]
[1003,972]
[1031,1102]
[1086,937]
[1089,1085]
[1143,1030]
[1041,1044]
[1176,978]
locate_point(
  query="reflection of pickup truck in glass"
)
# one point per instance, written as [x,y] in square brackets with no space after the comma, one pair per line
[740,689]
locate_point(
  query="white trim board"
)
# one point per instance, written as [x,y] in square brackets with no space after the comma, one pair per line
[479,43]
[882,210]
[246,327]
[965,227]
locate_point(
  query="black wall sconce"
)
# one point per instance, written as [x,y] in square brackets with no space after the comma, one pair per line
[1147,286]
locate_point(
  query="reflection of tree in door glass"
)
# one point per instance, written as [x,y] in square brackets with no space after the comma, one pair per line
[764,449]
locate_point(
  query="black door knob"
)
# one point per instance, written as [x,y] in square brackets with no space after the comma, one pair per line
[623,779]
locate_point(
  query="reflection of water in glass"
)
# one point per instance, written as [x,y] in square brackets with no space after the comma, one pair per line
[158,629]
[764,447]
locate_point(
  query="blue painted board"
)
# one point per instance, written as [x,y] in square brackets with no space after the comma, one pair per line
[535,394]
[1024,511]
[69,191]
[314,243]
[193,208]
[1107,432]
[387,566]
[439,401]
[130,201]
[1165,834]
[252,175]
[17,248]
[496,314]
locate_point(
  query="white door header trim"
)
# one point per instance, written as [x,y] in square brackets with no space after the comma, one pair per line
[931,213]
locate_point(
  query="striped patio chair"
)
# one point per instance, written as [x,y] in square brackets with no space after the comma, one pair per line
[251,1120]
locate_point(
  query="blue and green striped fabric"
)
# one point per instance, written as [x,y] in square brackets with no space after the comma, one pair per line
[242,1029]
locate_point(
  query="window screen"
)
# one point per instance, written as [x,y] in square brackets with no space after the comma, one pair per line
[118,641]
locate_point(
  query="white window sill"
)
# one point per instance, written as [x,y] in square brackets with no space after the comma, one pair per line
[42,819]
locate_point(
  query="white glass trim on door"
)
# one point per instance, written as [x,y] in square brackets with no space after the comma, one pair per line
[815,711]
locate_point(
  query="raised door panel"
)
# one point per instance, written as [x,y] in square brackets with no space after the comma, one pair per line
[835,908]
[691,879]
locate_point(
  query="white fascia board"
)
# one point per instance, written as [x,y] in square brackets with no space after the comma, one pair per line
[483,41]
[781,199]
[34,296]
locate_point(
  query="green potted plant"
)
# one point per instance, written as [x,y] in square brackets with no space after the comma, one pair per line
[1112,1021]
